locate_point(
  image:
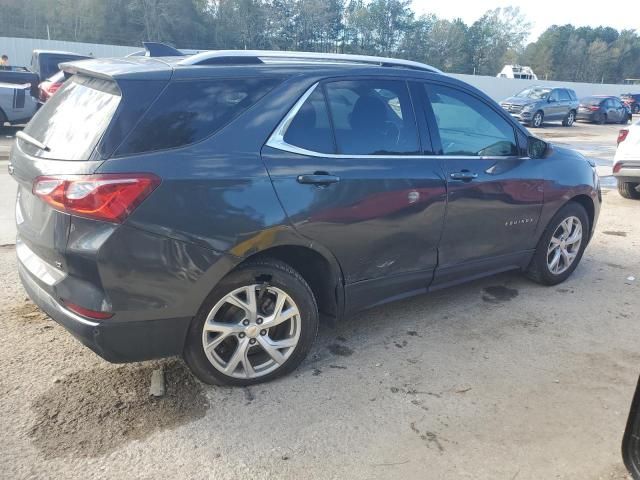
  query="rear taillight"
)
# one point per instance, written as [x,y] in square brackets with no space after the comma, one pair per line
[617,167]
[593,108]
[47,89]
[622,135]
[108,197]
[85,312]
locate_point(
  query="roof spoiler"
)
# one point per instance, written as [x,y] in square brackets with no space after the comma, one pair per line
[157,49]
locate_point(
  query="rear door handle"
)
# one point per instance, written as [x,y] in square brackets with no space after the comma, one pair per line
[464,176]
[318,178]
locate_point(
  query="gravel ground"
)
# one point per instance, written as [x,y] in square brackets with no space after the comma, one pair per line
[496,379]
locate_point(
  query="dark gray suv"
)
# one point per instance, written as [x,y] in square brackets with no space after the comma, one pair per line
[536,105]
[218,206]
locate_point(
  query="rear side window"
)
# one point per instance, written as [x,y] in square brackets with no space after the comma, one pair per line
[468,126]
[572,95]
[310,129]
[188,111]
[372,117]
[72,122]
[564,96]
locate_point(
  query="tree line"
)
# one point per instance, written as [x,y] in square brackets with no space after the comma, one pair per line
[373,27]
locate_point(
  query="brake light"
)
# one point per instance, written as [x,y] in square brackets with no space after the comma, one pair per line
[617,167]
[108,197]
[85,312]
[593,108]
[622,135]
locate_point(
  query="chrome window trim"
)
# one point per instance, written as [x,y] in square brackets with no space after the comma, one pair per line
[276,140]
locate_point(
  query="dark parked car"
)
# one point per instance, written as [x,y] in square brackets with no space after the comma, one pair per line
[603,109]
[536,105]
[217,206]
[632,100]
[45,62]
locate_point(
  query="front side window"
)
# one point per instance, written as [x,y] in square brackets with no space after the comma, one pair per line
[188,111]
[372,117]
[468,126]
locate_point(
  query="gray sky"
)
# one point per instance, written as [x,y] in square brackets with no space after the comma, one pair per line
[542,13]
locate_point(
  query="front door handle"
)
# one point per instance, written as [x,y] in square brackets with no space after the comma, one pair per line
[464,175]
[318,178]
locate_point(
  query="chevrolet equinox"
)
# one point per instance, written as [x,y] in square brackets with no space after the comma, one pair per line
[216,206]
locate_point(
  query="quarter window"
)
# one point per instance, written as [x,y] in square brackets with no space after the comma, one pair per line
[468,126]
[372,117]
[188,111]
[310,129]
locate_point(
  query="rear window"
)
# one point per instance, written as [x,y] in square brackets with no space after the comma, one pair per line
[591,101]
[71,123]
[49,63]
[188,111]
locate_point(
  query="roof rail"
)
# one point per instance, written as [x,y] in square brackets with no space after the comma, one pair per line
[244,57]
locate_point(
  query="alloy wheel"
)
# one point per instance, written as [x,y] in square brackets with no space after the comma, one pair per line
[251,331]
[564,245]
[537,120]
[570,119]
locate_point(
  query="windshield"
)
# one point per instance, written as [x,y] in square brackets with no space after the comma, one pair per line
[535,93]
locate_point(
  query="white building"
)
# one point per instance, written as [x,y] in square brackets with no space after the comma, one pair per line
[517,71]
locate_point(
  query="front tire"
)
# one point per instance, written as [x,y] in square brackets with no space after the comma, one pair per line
[602,119]
[257,324]
[538,119]
[560,249]
[629,190]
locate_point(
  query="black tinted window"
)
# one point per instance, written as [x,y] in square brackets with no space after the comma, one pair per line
[311,129]
[188,111]
[372,117]
[49,63]
[468,126]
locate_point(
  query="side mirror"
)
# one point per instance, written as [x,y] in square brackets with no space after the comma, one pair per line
[536,148]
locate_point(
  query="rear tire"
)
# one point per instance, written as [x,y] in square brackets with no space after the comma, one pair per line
[629,190]
[569,119]
[602,119]
[545,268]
[242,348]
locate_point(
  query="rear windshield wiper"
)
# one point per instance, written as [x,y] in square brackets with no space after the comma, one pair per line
[29,139]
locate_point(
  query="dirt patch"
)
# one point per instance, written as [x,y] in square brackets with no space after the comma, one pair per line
[28,311]
[340,350]
[499,294]
[90,413]
[615,233]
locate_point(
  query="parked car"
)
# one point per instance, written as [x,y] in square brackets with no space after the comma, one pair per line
[536,105]
[50,86]
[632,100]
[45,62]
[216,206]
[16,103]
[626,163]
[602,109]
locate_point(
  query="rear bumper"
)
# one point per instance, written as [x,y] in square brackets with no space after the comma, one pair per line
[585,116]
[628,170]
[116,342]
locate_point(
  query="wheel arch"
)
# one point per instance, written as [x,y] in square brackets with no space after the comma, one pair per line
[587,202]
[319,269]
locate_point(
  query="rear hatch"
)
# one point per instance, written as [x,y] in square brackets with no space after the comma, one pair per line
[72,134]
[70,125]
